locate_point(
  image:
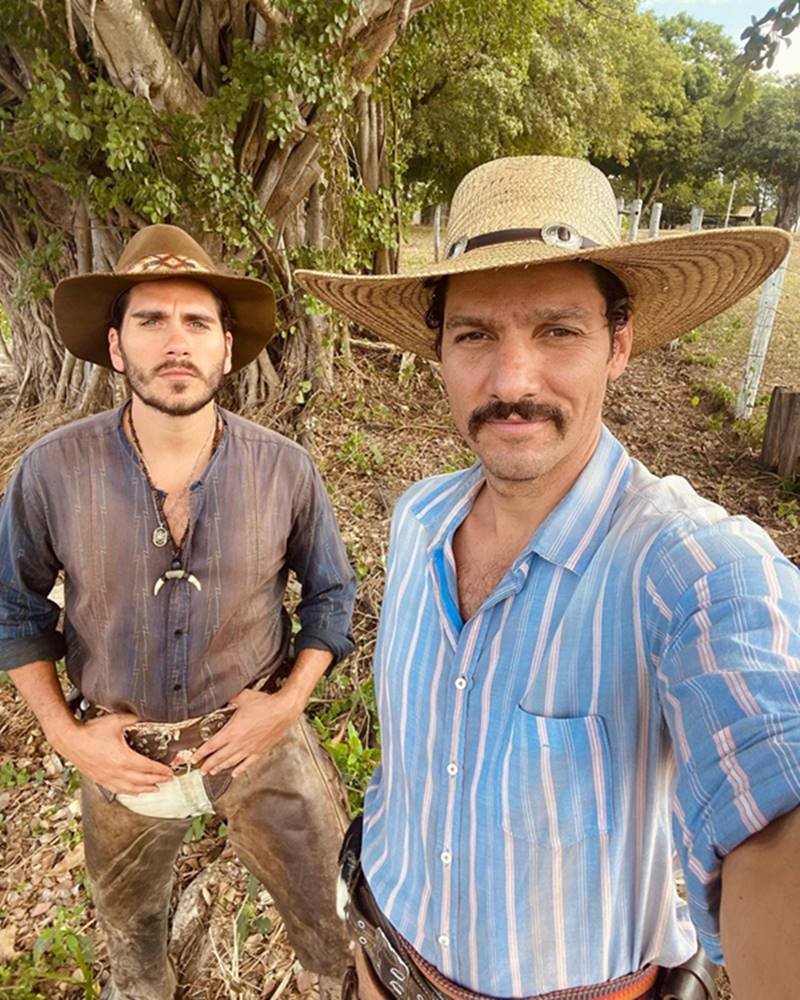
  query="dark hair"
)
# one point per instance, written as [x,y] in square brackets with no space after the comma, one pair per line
[618,302]
[120,306]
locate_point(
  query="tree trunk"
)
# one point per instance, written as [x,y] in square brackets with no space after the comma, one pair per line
[788,205]
[780,450]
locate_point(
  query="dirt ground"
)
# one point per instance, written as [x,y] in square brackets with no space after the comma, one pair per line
[384,427]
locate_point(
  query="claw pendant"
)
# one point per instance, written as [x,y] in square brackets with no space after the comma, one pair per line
[176,574]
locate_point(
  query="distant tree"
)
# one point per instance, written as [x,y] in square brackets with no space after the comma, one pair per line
[676,145]
[767,143]
[475,79]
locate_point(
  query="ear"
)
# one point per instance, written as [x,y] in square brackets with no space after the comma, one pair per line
[117,361]
[623,342]
[228,353]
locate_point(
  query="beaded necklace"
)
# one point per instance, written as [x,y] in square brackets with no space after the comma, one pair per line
[162,533]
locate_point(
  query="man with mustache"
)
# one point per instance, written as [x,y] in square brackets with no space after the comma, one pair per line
[580,667]
[176,524]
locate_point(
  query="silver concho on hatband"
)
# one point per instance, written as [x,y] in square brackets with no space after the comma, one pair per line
[458,248]
[559,234]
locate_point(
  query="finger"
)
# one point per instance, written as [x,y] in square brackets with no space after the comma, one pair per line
[223,759]
[206,749]
[126,718]
[246,763]
[139,764]
[136,763]
[131,784]
[215,743]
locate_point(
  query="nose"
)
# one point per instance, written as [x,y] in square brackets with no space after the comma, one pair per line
[177,339]
[515,370]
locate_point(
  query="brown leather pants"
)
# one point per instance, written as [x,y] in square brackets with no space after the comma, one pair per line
[286,816]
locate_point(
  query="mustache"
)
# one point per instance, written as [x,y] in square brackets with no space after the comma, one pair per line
[184,366]
[527,409]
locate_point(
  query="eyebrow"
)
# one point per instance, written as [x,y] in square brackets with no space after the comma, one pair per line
[161,314]
[537,315]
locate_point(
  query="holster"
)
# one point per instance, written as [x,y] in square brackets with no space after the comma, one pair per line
[694,980]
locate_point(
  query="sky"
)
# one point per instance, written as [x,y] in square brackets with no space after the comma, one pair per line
[734,16]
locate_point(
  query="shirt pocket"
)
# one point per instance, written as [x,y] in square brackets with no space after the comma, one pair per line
[555,785]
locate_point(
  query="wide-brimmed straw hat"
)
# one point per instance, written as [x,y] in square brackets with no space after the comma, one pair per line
[528,210]
[82,304]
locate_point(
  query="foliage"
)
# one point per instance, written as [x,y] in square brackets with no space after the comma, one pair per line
[355,762]
[62,954]
[763,38]
[766,141]
[248,918]
[677,144]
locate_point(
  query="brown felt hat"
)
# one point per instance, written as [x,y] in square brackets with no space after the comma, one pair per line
[528,210]
[83,304]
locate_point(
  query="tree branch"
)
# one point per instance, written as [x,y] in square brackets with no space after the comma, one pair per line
[135,54]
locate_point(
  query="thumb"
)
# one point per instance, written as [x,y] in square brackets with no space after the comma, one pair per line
[126,718]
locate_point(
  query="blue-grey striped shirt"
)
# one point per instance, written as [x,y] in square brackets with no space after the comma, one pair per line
[630,686]
[80,501]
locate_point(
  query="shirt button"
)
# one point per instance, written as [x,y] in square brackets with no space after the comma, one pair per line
[446,857]
[443,940]
[461,683]
[452,768]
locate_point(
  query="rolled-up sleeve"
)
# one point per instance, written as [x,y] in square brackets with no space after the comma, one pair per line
[28,569]
[317,556]
[725,614]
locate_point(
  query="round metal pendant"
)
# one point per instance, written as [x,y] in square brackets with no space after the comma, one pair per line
[160,536]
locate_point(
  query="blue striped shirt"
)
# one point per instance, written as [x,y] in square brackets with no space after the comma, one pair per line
[631,685]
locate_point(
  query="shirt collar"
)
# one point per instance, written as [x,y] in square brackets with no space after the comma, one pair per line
[571,532]
[127,447]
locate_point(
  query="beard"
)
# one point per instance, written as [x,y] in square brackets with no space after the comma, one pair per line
[178,399]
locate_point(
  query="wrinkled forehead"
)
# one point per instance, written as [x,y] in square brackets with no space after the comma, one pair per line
[544,288]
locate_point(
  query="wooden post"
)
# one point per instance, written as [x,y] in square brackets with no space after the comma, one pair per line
[696,223]
[620,210]
[780,449]
[437,237]
[730,203]
[655,219]
[634,215]
[759,342]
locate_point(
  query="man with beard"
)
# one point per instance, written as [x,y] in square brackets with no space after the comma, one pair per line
[580,667]
[175,524]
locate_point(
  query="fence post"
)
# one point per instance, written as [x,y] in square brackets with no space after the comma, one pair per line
[655,219]
[634,214]
[696,223]
[759,342]
[437,237]
[730,203]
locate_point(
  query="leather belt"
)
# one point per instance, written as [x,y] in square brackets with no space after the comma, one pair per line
[408,976]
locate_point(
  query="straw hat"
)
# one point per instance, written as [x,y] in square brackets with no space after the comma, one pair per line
[527,210]
[82,304]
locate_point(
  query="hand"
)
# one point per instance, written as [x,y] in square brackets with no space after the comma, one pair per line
[98,749]
[260,722]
